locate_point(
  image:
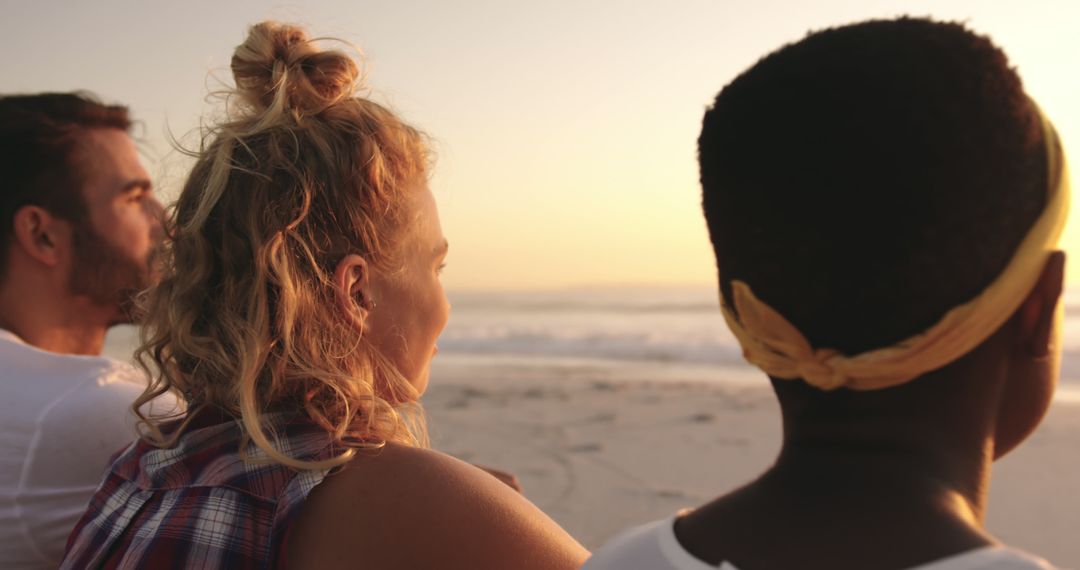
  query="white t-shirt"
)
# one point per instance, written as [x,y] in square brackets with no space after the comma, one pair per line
[654,547]
[61,419]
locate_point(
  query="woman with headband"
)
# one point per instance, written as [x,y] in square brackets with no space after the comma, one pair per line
[298,315]
[884,202]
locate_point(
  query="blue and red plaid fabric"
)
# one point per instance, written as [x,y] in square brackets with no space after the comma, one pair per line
[198,504]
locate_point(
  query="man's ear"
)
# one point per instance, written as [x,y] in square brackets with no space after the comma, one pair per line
[1037,312]
[41,235]
[351,278]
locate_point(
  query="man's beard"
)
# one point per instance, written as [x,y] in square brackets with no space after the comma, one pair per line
[103,273]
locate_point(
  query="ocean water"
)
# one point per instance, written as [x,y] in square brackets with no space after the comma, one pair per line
[669,333]
[670,325]
[676,327]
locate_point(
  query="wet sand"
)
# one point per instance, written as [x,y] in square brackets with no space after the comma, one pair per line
[600,451]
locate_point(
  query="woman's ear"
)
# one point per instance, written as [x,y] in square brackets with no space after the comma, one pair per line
[1037,312]
[351,277]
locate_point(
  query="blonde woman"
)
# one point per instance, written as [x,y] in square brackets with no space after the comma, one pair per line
[298,315]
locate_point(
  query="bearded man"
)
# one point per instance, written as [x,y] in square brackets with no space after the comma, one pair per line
[79,226]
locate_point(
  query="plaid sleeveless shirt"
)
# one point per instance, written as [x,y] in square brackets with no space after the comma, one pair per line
[198,504]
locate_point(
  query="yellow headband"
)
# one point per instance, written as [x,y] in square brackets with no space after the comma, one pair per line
[773,344]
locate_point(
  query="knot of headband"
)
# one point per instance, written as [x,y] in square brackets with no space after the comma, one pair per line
[776,346]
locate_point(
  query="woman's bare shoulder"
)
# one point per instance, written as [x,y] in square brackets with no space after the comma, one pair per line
[403,507]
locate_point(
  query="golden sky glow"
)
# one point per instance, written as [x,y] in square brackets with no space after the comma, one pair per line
[565,129]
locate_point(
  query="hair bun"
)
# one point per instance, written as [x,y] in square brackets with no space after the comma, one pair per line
[278,66]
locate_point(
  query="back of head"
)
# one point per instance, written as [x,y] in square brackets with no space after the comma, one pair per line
[300,173]
[41,157]
[869,178]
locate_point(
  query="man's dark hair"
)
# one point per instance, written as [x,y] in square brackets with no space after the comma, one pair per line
[867,179]
[41,158]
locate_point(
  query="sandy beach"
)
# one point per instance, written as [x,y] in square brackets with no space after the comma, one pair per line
[600,450]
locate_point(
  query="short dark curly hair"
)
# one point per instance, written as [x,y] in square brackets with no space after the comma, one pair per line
[866,179]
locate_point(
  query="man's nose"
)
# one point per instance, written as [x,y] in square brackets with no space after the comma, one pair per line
[158,213]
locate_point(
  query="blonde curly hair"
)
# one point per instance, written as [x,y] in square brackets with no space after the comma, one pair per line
[299,173]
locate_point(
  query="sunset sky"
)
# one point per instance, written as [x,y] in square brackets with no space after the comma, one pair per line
[565,129]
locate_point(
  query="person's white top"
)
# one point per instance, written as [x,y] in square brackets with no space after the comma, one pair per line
[653,546]
[61,419]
